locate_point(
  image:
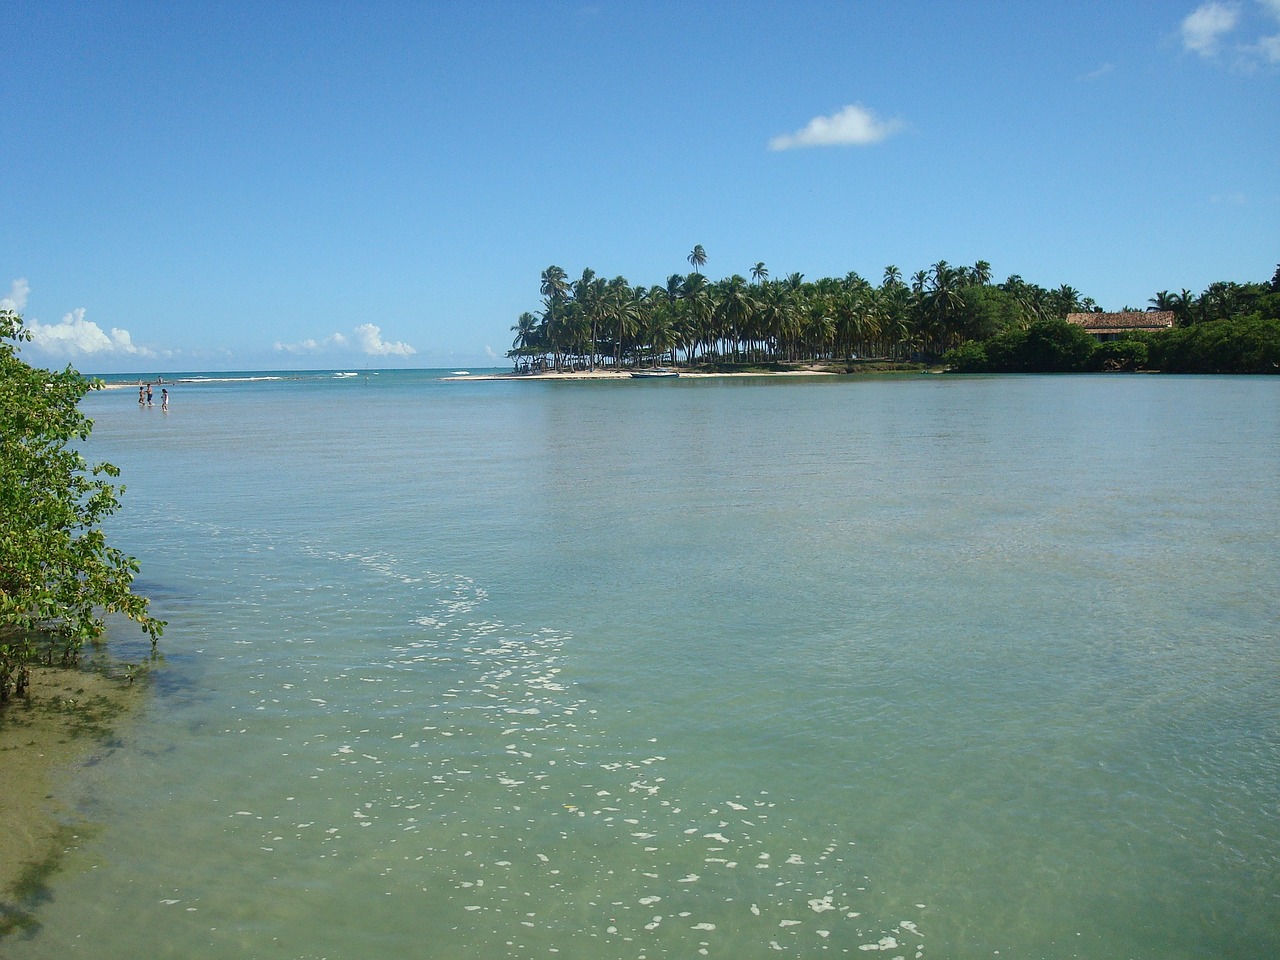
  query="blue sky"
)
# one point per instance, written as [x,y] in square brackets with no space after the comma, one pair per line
[315,184]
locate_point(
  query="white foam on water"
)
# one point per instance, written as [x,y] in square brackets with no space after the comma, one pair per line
[503,728]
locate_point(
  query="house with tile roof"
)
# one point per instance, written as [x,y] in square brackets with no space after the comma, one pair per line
[1118,326]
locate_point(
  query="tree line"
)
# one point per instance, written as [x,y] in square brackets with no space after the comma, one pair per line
[691,320]
[58,574]
[1229,328]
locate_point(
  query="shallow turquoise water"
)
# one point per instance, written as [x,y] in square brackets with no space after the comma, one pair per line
[910,667]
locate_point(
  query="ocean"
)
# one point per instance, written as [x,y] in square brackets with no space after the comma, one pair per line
[902,666]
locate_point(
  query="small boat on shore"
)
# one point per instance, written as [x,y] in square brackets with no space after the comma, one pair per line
[655,373]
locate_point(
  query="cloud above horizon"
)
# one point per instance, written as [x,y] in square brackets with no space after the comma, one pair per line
[75,337]
[1204,27]
[334,341]
[371,342]
[16,301]
[1206,31]
[367,339]
[1100,71]
[851,126]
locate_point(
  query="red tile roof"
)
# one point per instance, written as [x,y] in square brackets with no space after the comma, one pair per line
[1116,322]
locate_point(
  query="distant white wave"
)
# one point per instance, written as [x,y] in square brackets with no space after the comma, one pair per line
[225,379]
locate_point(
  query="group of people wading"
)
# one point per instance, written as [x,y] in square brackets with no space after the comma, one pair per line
[144,396]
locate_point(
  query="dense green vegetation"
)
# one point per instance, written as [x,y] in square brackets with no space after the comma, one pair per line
[946,311]
[58,575]
[690,319]
[1248,344]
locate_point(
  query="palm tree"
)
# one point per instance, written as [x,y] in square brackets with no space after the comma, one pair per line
[759,272]
[697,257]
[526,328]
[789,314]
[1066,299]
[555,283]
[587,295]
[555,287]
[942,304]
[1182,305]
[819,331]
[893,312]
[855,306]
[771,318]
[624,305]
[695,294]
[734,310]
[658,323]
[574,333]
[675,284]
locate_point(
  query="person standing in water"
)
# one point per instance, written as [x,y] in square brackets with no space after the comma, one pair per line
[141,396]
[164,399]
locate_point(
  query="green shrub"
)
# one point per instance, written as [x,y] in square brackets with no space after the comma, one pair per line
[969,357]
[58,574]
[1120,355]
[1245,345]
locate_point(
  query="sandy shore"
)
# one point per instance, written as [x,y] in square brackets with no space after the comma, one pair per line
[65,723]
[626,375]
[156,385]
[602,374]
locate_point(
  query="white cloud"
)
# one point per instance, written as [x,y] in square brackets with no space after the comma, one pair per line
[853,125]
[311,345]
[371,342]
[74,337]
[17,298]
[1267,48]
[1204,28]
[1214,29]
[1101,71]
[367,340]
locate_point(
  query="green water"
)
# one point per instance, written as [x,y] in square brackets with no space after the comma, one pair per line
[912,667]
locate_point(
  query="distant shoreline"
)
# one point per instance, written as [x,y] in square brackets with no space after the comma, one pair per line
[626,374]
[540,375]
[118,382]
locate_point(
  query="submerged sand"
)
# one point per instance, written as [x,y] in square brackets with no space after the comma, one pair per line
[67,721]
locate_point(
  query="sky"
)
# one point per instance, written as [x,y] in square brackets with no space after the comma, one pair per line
[317,185]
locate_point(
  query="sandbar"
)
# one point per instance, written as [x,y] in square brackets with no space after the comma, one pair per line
[611,374]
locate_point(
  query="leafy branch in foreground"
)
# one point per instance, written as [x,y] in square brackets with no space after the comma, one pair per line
[58,575]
